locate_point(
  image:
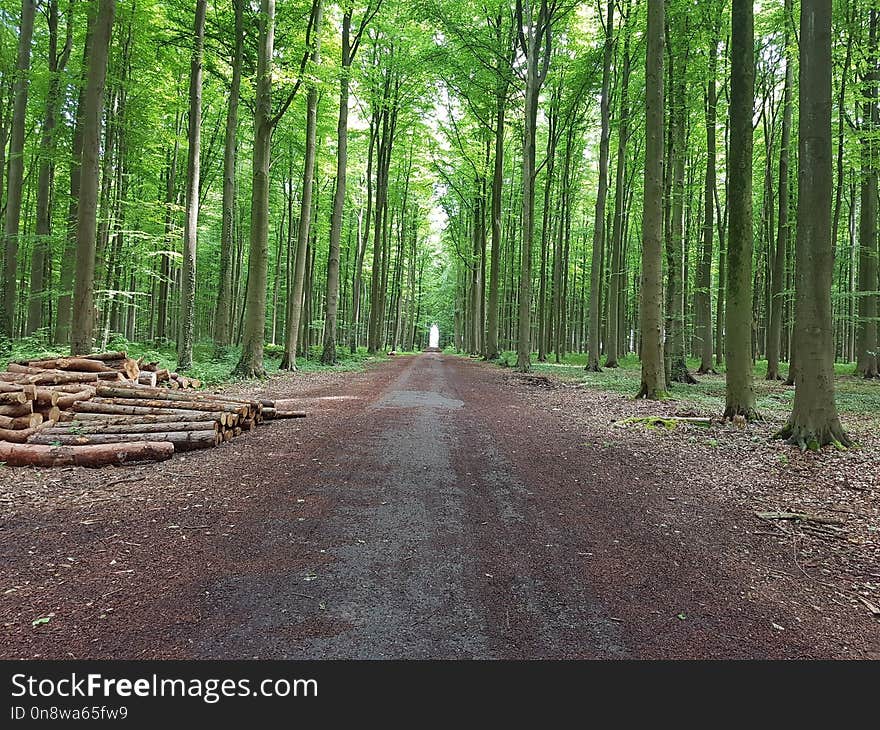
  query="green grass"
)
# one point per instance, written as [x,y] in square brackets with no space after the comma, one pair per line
[206,367]
[855,396]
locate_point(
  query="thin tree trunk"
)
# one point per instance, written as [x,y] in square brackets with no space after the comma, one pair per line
[223,312]
[83,315]
[14,186]
[193,172]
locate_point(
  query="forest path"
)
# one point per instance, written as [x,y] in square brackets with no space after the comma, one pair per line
[426,508]
[442,517]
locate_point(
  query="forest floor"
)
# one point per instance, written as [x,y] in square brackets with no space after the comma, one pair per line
[434,507]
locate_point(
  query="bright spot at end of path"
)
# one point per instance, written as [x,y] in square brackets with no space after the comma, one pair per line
[434,336]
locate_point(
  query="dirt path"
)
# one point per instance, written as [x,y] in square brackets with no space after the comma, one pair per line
[423,510]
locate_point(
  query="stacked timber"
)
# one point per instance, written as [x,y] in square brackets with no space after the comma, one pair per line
[107,408]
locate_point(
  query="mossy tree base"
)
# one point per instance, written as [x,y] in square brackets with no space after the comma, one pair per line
[815,436]
[773,375]
[707,371]
[593,366]
[611,364]
[648,392]
[243,370]
[328,354]
[737,412]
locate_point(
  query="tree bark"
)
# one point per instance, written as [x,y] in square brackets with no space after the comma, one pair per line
[814,421]
[251,362]
[653,384]
[223,310]
[193,173]
[740,394]
[295,303]
[593,333]
[15,178]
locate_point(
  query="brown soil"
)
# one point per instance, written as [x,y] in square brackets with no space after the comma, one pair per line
[437,507]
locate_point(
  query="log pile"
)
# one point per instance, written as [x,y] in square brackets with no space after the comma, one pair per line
[107,408]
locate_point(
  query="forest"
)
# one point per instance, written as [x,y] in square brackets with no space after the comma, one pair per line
[256,185]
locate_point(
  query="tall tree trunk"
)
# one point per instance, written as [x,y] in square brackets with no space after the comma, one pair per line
[703,294]
[535,37]
[223,312]
[653,385]
[45,183]
[254,325]
[328,355]
[83,315]
[16,169]
[740,394]
[616,275]
[599,220]
[814,421]
[866,358]
[193,172]
[295,305]
[777,279]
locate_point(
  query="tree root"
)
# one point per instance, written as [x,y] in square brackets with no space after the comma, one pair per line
[593,367]
[740,414]
[707,371]
[814,438]
[610,364]
[647,393]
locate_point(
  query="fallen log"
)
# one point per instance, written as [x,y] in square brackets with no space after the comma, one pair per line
[801,517]
[20,422]
[182,440]
[147,378]
[274,413]
[140,392]
[91,456]
[192,405]
[93,427]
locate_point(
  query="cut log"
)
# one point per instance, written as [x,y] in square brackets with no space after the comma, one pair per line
[192,405]
[19,436]
[20,422]
[224,419]
[14,410]
[182,440]
[147,378]
[286,414]
[15,396]
[46,397]
[83,365]
[182,414]
[49,413]
[68,399]
[94,427]
[131,369]
[19,388]
[107,356]
[92,456]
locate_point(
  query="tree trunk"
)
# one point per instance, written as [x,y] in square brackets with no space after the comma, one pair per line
[295,304]
[83,315]
[866,358]
[599,220]
[703,294]
[16,169]
[223,311]
[251,363]
[777,280]
[814,421]
[193,172]
[740,394]
[653,385]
